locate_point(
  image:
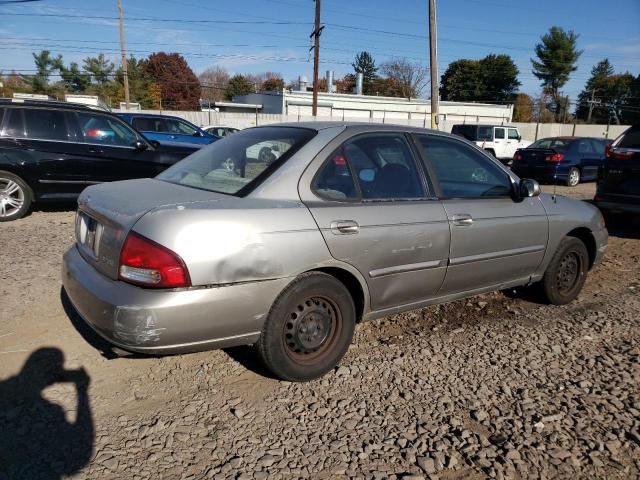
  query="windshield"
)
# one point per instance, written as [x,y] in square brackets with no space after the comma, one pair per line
[555,143]
[231,164]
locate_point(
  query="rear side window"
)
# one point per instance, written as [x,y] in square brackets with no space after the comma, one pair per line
[14,123]
[463,172]
[45,124]
[148,124]
[630,139]
[500,133]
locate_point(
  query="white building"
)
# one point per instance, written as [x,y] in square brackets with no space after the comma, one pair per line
[340,106]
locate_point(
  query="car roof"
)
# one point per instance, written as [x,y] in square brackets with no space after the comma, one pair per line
[483,125]
[46,103]
[150,115]
[323,125]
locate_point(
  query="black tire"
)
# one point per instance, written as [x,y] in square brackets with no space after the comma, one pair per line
[567,272]
[309,328]
[573,177]
[15,197]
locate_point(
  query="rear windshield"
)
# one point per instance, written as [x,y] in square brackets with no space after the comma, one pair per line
[238,162]
[630,139]
[555,143]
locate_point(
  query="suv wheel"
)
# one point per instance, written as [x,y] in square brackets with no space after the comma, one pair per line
[309,328]
[573,178]
[15,197]
[567,272]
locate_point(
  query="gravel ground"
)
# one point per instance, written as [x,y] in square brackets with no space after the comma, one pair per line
[497,386]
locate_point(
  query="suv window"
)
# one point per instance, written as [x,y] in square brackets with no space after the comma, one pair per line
[463,172]
[179,126]
[45,124]
[146,124]
[14,123]
[384,167]
[499,133]
[96,128]
[513,134]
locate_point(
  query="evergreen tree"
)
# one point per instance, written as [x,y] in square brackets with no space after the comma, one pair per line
[365,64]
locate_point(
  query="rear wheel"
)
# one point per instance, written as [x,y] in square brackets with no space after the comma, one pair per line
[309,328]
[567,272]
[573,178]
[15,197]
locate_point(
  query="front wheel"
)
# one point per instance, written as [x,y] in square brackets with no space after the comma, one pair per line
[15,197]
[566,273]
[573,178]
[309,328]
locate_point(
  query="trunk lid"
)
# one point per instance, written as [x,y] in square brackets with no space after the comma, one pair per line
[107,212]
[537,156]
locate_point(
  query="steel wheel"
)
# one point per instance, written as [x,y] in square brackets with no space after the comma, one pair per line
[11,197]
[311,329]
[568,272]
[574,177]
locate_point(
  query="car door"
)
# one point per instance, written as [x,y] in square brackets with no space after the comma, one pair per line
[591,154]
[58,166]
[376,213]
[110,143]
[511,143]
[500,142]
[182,131]
[495,239]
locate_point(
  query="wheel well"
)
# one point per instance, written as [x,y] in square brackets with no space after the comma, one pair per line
[584,234]
[351,283]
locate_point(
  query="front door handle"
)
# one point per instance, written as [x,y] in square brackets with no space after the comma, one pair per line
[462,219]
[344,227]
[96,150]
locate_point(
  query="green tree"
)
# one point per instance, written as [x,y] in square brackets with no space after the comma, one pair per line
[74,80]
[99,68]
[500,78]
[557,56]
[365,64]
[238,85]
[273,84]
[491,79]
[45,66]
[596,88]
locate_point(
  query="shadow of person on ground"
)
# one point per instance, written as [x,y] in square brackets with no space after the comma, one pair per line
[36,440]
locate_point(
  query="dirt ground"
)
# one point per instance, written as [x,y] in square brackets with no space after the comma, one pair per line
[120,401]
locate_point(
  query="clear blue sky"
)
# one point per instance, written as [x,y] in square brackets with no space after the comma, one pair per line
[386,28]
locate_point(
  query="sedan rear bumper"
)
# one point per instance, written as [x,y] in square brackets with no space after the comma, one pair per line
[167,321]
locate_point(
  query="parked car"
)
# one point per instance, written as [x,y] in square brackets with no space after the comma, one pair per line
[618,188]
[220,131]
[166,128]
[570,160]
[52,150]
[351,222]
[501,141]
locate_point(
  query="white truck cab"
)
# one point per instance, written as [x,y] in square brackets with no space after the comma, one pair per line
[501,141]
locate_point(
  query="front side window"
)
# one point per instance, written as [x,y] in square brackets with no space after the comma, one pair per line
[148,124]
[334,181]
[45,124]
[513,134]
[499,133]
[584,146]
[96,128]
[463,172]
[179,127]
[238,162]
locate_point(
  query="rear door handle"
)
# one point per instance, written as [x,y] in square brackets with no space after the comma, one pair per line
[462,219]
[344,227]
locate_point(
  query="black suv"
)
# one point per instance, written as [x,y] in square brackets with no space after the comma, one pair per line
[618,189]
[53,150]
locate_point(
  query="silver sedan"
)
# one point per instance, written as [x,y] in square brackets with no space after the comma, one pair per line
[288,251]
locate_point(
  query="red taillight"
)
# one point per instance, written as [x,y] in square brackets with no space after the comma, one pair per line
[617,153]
[554,158]
[607,150]
[517,157]
[144,262]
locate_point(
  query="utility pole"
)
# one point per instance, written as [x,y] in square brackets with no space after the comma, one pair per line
[125,74]
[433,57]
[592,104]
[316,58]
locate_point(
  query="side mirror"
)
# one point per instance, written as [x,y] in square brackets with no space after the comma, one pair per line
[529,188]
[140,145]
[519,138]
[197,134]
[155,143]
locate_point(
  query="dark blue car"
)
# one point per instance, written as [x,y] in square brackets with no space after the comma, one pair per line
[569,160]
[166,128]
